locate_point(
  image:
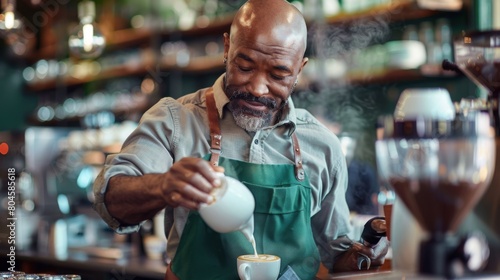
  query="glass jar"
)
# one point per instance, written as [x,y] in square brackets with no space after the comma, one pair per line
[72,277]
[32,277]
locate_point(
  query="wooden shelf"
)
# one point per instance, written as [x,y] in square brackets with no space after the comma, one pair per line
[397,11]
[399,75]
[76,120]
[217,26]
[120,71]
[129,37]
[386,76]
[196,65]
[124,38]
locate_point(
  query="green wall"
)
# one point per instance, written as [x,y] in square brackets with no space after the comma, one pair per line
[15,104]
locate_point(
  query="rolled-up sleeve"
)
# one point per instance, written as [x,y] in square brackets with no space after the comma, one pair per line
[145,151]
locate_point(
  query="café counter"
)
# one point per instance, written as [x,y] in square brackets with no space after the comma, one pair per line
[90,267]
[130,267]
[137,268]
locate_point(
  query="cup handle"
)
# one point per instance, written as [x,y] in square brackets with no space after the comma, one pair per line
[244,271]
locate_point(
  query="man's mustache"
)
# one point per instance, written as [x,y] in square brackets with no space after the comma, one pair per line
[246,96]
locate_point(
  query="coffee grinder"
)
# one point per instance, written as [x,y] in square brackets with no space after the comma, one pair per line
[441,169]
[477,56]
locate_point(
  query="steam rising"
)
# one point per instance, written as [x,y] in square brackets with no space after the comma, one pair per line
[338,40]
[352,106]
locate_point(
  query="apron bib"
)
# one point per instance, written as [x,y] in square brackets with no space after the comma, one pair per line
[281,217]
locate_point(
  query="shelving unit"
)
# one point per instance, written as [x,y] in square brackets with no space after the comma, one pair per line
[399,12]
[143,60]
[125,38]
[130,38]
[148,41]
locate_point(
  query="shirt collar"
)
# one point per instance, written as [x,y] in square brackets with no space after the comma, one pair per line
[221,99]
[220,96]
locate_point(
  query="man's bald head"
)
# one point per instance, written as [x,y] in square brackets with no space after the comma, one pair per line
[264,55]
[275,19]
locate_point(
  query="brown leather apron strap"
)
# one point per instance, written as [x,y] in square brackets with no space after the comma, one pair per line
[169,275]
[299,169]
[215,134]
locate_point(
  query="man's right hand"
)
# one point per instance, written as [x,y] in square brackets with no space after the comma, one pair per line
[188,183]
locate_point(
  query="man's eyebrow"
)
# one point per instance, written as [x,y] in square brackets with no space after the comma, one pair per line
[278,67]
[282,68]
[245,57]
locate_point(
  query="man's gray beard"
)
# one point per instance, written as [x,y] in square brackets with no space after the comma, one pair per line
[248,122]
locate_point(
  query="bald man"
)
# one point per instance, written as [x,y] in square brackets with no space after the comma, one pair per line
[247,126]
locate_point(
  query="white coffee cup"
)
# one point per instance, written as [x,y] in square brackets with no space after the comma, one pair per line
[260,267]
[232,208]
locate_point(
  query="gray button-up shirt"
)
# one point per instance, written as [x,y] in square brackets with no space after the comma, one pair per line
[173,129]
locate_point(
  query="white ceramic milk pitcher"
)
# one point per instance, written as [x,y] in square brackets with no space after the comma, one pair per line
[232,208]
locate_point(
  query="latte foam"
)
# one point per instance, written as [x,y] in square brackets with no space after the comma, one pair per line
[259,258]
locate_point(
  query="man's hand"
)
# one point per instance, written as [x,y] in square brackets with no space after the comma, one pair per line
[133,199]
[188,183]
[348,261]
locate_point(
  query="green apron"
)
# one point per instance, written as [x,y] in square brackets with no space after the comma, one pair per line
[282,223]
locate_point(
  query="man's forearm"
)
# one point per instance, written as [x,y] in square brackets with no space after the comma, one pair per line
[133,199]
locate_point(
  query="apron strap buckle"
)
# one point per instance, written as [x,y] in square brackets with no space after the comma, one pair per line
[299,170]
[215,133]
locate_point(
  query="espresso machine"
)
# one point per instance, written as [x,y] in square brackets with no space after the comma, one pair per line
[477,56]
[445,171]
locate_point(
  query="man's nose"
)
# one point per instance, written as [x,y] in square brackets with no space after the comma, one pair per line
[258,85]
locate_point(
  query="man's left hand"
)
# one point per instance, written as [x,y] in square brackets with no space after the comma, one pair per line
[348,261]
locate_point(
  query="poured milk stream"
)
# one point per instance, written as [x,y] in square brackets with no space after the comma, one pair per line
[247,231]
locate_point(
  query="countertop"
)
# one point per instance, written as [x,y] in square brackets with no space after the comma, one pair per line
[381,271]
[137,266]
[142,267]
[155,269]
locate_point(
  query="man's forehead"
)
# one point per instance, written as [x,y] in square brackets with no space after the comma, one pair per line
[278,40]
[275,55]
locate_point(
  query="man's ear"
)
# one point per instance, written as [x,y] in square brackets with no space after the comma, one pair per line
[304,62]
[226,44]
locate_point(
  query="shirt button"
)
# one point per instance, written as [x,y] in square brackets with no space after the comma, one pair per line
[256,141]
